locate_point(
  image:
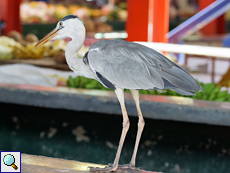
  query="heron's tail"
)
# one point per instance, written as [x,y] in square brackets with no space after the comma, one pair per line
[179,80]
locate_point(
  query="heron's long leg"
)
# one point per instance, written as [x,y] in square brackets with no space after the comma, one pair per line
[120,95]
[141,124]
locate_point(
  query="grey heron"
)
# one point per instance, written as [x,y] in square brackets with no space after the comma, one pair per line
[119,65]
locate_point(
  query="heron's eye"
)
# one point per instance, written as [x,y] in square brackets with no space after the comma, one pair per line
[61,24]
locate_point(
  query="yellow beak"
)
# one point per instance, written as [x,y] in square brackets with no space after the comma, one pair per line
[47,38]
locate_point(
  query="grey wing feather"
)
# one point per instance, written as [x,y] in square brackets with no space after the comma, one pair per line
[134,66]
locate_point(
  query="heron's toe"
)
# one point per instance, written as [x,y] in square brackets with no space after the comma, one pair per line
[109,168]
[117,169]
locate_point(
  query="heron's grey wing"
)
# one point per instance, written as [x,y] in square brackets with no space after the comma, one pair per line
[124,73]
[134,66]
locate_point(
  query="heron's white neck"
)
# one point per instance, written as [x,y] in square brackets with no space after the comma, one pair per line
[75,63]
[75,44]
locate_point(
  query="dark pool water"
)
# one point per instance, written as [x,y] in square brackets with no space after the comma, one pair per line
[167,146]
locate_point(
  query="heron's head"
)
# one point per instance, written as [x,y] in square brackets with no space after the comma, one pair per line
[68,26]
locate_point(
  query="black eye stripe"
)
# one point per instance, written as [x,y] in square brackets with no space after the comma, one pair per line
[68,17]
[71,17]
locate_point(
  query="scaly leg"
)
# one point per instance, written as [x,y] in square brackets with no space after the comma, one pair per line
[141,124]
[113,167]
[120,95]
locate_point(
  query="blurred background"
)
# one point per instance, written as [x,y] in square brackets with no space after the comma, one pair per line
[37,89]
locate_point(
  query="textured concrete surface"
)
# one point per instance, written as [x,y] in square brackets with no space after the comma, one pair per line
[35,164]
[38,164]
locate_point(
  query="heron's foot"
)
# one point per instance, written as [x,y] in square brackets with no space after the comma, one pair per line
[109,168]
[127,167]
[118,169]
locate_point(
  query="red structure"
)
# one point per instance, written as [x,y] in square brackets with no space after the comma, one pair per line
[10,13]
[148,20]
[215,27]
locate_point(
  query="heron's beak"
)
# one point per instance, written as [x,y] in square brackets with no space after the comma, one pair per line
[47,38]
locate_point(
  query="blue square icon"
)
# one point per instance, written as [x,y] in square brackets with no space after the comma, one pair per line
[10,161]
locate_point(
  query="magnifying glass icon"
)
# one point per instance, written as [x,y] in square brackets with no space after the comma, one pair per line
[9,160]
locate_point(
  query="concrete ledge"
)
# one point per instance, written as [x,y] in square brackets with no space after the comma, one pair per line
[156,107]
[38,164]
